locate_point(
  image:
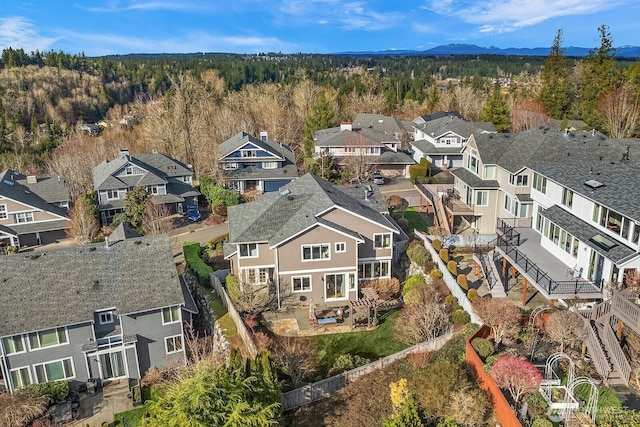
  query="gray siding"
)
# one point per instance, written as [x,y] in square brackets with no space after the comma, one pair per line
[78,335]
[151,338]
[132,364]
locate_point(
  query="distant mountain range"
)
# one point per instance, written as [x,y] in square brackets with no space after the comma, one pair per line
[470,49]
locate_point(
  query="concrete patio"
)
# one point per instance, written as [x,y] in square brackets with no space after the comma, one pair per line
[99,409]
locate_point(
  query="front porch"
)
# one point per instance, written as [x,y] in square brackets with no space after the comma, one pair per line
[520,248]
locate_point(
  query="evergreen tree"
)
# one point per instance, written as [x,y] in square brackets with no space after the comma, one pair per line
[322,116]
[135,205]
[324,166]
[496,111]
[596,77]
[555,94]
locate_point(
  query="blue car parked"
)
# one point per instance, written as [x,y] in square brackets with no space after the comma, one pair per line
[193,214]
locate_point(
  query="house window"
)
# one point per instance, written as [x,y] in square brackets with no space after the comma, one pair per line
[256,276]
[382,241]
[473,164]
[48,338]
[519,180]
[231,166]
[248,153]
[561,238]
[112,195]
[269,165]
[448,141]
[341,247]
[540,183]
[249,250]
[22,217]
[54,371]
[311,252]
[489,172]
[3,212]
[170,315]
[20,377]
[128,170]
[482,198]
[567,197]
[105,317]
[514,208]
[13,345]
[153,189]
[301,283]
[374,270]
[173,344]
[336,286]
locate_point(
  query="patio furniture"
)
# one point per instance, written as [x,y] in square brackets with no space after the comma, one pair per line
[327,321]
[574,272]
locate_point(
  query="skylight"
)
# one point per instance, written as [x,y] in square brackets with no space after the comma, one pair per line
[593,184]
[603,242]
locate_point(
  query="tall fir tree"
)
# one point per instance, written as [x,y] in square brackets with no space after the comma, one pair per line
[596,77]
[322,116]
[496,111]
[555,94]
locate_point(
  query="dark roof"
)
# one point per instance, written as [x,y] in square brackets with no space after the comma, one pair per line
[620,190]
[241,139]
[276,217]
[584,232]
[49,189]
[428,148]
[473,180]
[13,186]
[41,290]
[380,123]
[440,114]
[459,126]
[491,146]
[390,157]
[289,171]
[122,232]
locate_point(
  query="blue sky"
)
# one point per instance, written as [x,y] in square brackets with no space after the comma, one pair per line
[315,26]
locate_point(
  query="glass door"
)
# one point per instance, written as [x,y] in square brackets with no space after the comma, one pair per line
[112,365]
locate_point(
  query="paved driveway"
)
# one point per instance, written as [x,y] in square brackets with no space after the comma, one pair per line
[200,232]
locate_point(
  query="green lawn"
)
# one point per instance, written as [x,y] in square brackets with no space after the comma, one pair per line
[134,416]
[224,320]
[369,344]
[416,222]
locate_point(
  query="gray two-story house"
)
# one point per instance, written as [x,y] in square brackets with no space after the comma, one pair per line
[169,181]
[102,311]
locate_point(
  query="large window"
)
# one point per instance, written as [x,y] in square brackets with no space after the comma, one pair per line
[489,172]
[54,371]
[382,241]
[473,164]
[48,338]
[337,285]
[3,212]
[170,315]
[311,252]
[22,217]
[112,195]
[173,344]
[374,270]
[14,344]
[269,165]
[301,283]
[567,197]
[230,166]
[519,180]
[561,238]
[20,377]
[105,317]
[482,198]
[249,153]
[540,183]
[248,250]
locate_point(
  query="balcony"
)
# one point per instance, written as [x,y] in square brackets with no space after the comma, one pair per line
[521,248]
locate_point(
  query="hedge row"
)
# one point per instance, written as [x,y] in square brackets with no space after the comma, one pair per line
[191,251]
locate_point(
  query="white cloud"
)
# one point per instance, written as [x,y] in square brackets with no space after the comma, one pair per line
[502,16]
[124,6]
[20,32]
[423,28]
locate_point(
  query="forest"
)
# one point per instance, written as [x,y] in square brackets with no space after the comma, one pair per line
[185,105]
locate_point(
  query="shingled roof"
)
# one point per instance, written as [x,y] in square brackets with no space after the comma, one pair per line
[457,125]
[241,139]
[276,217]
[14,186]
[379,123]
[41,290]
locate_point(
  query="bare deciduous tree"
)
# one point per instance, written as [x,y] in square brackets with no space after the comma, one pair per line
[424,319]
[296,358]
[619,109]
[157,219]
[563,327]
[213,349]
[84,221]
[528,114]
[501,315]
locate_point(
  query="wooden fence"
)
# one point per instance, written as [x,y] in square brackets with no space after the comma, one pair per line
[506,414]
[450,281]
[244,333]
[327,387]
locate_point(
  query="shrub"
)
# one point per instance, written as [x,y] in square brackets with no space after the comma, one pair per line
[430,265]
[450,300]
[452,267]
[192,258]
[217,195]
[437,245]
[418,254]
[435,274]
[416,171]
[56,391]
[346,362]
[460,317]
[404,224]
[462,281]
[420,359]
[541,422]
[383,286]
[482,346]
[412,282]
[492,358]
[472,294]
[444,255]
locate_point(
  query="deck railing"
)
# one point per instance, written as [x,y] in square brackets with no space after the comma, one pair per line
[600,360]
[508,242]
[613,348]
[489,273]
[625,310]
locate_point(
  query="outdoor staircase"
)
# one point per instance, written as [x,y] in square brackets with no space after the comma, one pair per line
[491,274]
[602,342]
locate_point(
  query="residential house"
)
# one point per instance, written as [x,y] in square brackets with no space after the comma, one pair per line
[91,312]
[256,164]
[374,138]
[32,209]
[441,140]
[313,239]
[495,180]
[169,181]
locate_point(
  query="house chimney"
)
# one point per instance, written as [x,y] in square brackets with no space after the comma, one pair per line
[264,136]
[346,126]
[31,179]
[124,152]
